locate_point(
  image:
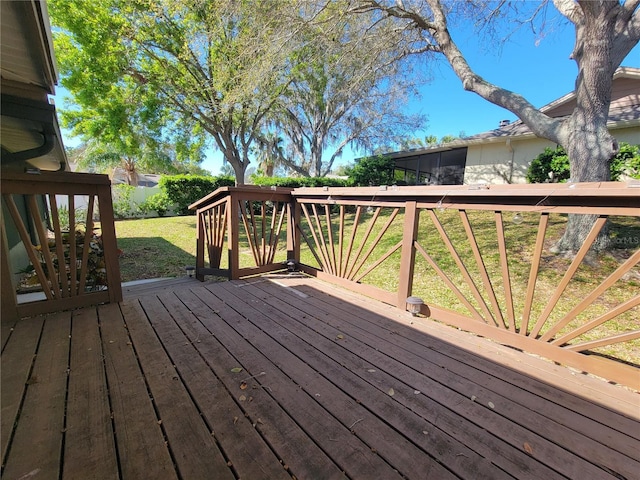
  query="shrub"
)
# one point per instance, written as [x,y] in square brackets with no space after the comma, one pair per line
[297,182]
[627,162]
[376,170]
[122,205]
[183,190]
[159,203]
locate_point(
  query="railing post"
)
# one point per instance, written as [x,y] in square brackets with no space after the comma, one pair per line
[408,252]
[110,244]
[9,310]
[293,234]
[200,236]
[234,235]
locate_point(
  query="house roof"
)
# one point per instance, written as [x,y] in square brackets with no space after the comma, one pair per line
[31,135]
[623,112]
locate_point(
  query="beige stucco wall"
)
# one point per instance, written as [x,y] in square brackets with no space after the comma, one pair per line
[629,135]
[491,162]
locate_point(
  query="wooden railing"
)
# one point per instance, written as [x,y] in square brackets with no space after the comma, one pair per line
[49,223]
[243,218]
[479,256]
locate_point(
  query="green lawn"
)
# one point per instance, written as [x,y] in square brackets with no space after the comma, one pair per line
[156,247]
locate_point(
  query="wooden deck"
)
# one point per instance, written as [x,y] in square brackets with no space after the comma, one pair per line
[288,377]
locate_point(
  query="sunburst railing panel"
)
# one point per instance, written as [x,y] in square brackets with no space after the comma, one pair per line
[58,242]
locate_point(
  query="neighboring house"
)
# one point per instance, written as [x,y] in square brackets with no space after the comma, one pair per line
[30,135]
[144,179]
[503,155]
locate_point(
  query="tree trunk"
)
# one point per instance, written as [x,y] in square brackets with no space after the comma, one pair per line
[239,169]
[585,136]
[590,151]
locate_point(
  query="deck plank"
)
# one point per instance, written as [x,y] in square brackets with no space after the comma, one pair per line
[89,448]
[37,442]
[617,406]
[437,418]
[194,448]
[302,457]
[241,442]
[353,455]
[17,361]
[406,449]
[547,432]
[141,447]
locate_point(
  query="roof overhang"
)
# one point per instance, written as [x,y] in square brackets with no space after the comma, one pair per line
[31,136]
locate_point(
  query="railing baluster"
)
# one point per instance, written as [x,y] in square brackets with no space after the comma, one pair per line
[332,257]
[29,247]
[356,222]
[363,242]
[251,237]
[323,243]
[340,240]
[374,244]
[488,286]
[322,263]
[52,282]
[533,273]
[86,247]
[504,267]
[263,214]
[589,299]
[596,322]
[595,230]
[62,264]
[461,266]
[604,342]
[73,247]
[391,251]
[474,312]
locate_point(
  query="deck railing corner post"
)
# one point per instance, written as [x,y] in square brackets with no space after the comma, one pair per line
[293,233]
[408,252]
[234,235]
[200,245]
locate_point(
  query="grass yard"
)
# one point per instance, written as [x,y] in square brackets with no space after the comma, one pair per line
[156,247]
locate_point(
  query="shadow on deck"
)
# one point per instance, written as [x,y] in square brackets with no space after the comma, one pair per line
[289,377]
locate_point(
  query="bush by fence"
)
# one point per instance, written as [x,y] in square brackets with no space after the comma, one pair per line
[297,182]
[183,190]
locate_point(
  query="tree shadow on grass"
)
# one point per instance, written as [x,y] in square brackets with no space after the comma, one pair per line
[152,257]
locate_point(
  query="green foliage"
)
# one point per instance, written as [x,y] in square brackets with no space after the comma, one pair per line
[626,162]
[159,203]
[166,75]
[122,207]
[296,182]
[376,170]
[183,190]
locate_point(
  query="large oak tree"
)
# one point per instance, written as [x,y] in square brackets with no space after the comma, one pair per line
[605,33]
[210,63]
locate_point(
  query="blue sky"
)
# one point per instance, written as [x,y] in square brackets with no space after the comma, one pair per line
[537,68]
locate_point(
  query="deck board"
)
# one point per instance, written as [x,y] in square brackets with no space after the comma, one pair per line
[547,419]
[17,363]
[89,441]
[37,440]
[140,439]
[288,377]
